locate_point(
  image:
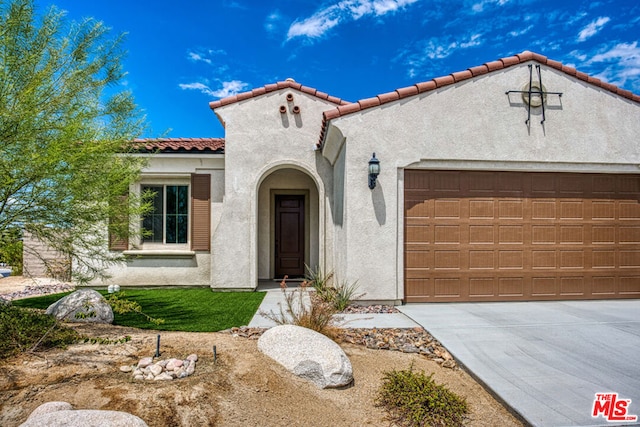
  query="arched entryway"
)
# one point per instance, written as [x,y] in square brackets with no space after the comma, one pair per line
[288,224]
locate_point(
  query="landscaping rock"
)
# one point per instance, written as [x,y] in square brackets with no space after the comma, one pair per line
[144,362]
[307,354]
[4,302]
[85,305]
[47,408]
[59,414]
[162,370]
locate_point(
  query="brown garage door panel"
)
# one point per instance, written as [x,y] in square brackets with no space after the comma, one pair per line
[500,236]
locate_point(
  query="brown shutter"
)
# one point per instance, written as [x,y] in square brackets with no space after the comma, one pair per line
[200,212]
[118,228]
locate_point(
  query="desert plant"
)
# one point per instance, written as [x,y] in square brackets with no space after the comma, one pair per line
[306,309]
[25,329]
[339,294]
[320,281]
[119,304]
[343,294]
[414,399]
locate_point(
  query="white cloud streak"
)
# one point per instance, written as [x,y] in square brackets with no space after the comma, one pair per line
[479,6]
[196,57]
[623,62]
[593,28]
[325,19]
[229,88]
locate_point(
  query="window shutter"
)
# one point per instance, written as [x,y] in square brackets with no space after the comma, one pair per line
[119,241]
[200,212]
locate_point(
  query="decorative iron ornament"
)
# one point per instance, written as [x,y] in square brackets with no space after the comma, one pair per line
[534,94]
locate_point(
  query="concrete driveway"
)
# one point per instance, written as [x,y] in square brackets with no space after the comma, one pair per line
[546,360]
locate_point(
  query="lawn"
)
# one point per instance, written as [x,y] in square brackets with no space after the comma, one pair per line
[189,310]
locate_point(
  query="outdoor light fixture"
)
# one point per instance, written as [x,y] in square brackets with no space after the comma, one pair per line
[374,170]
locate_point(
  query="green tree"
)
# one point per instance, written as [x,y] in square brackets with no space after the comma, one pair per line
[65,130]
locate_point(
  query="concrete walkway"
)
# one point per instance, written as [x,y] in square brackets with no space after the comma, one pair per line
[546,360]
[275,299]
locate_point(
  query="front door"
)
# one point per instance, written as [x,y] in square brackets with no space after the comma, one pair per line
[289,236]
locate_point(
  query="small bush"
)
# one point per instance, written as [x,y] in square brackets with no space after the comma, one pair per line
[306,309]
[120,305]
[24,329]
[413,399]
[339,295]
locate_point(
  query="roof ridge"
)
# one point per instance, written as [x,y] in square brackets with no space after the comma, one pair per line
[287,84]
[459,76]
[170,144]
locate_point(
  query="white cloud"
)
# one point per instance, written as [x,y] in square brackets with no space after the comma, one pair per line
[593,28]
[346,10]
[521,32]
[273,21]
[479,6]
[228,88]
[204,55]
[437,48]
[196,57]
[440,49]
[623,64]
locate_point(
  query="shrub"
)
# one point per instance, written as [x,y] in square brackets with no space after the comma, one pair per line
[414,399]
[24,329]
[339,295]
[306,309]
[11,250]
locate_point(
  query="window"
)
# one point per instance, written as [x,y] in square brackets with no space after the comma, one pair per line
[169,220]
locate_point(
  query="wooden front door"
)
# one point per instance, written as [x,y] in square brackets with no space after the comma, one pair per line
[289,236]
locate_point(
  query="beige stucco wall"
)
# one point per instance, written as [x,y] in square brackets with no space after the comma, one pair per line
[472,124]
[171,265]
[259,142]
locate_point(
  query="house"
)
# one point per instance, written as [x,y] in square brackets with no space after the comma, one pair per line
[518,179]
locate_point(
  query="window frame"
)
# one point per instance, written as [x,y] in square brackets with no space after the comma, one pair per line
[164,183]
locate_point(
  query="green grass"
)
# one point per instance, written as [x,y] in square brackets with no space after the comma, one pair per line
[189,310]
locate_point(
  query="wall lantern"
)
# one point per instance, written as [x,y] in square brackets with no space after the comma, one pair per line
[374,170]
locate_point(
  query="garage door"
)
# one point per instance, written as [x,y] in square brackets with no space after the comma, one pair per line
[503,236]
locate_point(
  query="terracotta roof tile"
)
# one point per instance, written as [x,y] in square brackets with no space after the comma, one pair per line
[494,65]
[388,97]
[525,56]
[467,74]
[444,81]
[479,70]
[554,64]
[287,84]
[426,86]
[403,92]
[180,145]
[462,75]
[540,58]
[512,60]
[369,102]
[346,109]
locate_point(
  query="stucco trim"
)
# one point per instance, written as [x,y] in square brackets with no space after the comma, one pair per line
[159,254]
[517,166]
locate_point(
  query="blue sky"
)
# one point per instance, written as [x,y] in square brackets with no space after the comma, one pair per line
[184,54]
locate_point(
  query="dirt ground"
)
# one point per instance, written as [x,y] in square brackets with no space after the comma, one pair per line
[242,387]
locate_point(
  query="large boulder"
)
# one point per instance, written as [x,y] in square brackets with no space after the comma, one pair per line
[85,305]
[308,354]
[59,414]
